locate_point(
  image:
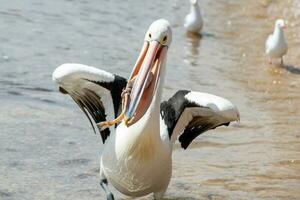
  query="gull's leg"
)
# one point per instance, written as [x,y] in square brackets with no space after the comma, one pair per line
[270,61]
[281,62]
[104,186]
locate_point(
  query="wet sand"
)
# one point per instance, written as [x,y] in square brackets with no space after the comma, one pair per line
[47,147]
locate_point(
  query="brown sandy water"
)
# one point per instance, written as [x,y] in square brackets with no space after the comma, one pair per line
[47,147]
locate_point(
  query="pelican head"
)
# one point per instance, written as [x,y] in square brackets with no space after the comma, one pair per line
[280,23]
[160,31]
[146,71]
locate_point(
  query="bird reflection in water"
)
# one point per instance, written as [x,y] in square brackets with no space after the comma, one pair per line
[193,44]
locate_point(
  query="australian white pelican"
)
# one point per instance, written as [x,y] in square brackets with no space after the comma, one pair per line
[137,154]
[193,21]
[276,46]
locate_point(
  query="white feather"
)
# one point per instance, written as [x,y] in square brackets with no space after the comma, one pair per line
[217,104]
[276,46]
[193,21]
[213,109]
[72,77]
[75,71]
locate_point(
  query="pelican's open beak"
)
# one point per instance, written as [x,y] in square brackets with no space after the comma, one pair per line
[145,75]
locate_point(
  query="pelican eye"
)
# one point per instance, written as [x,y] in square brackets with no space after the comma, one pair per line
[149,35]
[164,40]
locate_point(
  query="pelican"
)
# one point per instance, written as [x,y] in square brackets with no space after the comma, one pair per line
[193,21]
[137,152]
[276,46]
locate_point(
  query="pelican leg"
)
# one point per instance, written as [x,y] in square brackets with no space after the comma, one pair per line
[270,61]
[281,62]
[104,186]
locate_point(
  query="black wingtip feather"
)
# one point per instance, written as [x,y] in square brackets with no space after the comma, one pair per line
[190,134]
[62,90]
[171,111]
[90,102]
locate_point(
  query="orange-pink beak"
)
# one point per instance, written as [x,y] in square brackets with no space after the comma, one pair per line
[146,75]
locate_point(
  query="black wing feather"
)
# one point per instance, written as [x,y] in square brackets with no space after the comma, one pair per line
[91,105]
[193,130]
[171,111]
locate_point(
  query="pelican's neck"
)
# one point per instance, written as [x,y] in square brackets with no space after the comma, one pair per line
[148,126]
[152,115]
[142,138]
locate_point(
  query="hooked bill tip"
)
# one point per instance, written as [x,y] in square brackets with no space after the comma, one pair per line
[126,121]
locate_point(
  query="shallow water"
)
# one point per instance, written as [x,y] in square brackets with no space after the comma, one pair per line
[47,147]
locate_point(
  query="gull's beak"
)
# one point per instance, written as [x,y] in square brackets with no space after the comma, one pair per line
[145,75]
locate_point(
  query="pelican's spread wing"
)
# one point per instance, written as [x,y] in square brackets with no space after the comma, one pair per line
[96,92]
[189,114]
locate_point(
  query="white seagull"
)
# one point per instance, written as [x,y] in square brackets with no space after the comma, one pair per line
[276,46]
[193,21]
[137,152]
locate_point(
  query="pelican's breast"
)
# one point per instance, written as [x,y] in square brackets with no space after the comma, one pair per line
[136,166]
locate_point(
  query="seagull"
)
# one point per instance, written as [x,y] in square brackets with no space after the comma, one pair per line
[276,46]
[137,152]
[193,21]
